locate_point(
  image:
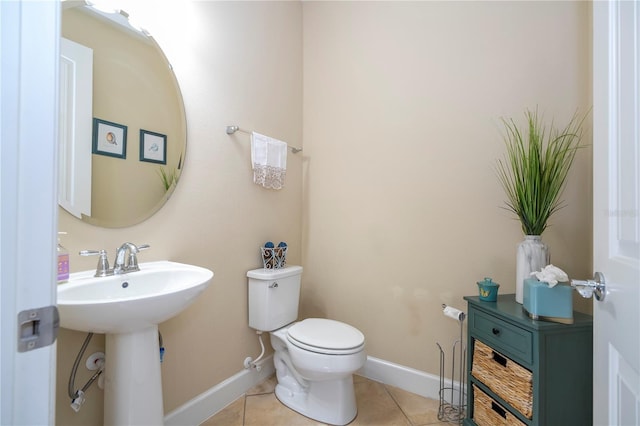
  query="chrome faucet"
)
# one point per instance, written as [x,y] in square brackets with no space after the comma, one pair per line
[119,266]
[131,265]
[122,264]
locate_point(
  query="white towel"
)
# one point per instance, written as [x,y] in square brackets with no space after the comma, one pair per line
[269,159]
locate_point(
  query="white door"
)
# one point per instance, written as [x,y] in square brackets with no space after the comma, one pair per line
[616,213]
[29,33]
[76,112]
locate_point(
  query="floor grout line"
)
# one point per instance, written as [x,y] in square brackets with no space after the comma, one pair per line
[242,410]
[386,389]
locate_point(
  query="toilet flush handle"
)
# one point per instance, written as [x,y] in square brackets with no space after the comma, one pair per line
[273,284]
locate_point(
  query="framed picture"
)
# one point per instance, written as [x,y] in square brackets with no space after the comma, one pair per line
[153,147]
[109,138]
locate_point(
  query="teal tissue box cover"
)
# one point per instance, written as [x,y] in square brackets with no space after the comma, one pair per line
[540,300]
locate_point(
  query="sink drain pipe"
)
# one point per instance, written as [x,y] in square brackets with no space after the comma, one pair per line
[77,396]
[161,347]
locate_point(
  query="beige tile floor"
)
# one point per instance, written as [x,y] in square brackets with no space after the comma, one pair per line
[378,405]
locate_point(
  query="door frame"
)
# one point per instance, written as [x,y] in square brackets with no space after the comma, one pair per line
[29,39]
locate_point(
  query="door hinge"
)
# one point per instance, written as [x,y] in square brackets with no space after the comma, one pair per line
[37,328]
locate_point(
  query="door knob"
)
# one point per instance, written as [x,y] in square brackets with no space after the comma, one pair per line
[595,286]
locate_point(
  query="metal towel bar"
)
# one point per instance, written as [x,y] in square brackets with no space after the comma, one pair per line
[232,129]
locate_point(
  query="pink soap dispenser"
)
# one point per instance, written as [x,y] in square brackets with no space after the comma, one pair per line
[63,262]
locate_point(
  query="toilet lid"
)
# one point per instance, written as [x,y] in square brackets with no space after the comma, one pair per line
[326,336]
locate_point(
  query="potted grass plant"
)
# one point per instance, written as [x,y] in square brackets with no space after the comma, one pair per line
[168,178]
[533,174]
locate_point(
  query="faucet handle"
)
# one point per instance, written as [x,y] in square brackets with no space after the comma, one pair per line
[132,264]
[102,270]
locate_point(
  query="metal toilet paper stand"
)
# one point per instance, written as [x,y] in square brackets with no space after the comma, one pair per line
[452,396]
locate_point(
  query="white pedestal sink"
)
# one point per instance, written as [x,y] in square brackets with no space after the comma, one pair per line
[128,309]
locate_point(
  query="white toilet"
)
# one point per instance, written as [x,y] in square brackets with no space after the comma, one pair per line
[314,358]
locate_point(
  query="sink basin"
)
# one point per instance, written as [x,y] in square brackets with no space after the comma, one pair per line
[129,302]
[128,309]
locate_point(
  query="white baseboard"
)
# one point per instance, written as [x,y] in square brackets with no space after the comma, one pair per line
[410,379]
[218,397]
[406,378]
[208,403]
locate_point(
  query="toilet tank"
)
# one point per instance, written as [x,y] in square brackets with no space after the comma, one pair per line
[274,295]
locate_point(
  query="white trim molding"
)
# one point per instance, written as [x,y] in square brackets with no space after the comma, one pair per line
[405,378]
[218,397]
[210,402]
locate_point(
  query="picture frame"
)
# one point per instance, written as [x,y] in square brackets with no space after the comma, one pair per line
[153,147]
[109,138]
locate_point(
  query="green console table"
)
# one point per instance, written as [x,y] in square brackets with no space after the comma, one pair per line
[518,358]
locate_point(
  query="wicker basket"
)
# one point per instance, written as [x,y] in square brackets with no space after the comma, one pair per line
[508,379]
[487,412]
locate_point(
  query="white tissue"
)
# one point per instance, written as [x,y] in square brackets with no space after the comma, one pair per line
[551,275]
[454,313]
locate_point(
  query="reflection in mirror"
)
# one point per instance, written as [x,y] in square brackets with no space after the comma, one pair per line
[134,89]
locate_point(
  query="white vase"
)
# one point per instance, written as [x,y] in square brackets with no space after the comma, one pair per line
[532,256]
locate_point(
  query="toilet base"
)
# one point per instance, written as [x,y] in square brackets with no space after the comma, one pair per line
[331,401]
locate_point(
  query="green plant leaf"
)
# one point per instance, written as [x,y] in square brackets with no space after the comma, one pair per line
[167,178]
[535,167]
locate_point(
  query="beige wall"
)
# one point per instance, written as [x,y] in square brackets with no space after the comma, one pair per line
[402,103]
[393,206]
[237,63]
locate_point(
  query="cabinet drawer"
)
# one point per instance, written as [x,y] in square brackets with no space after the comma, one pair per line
[487,412]
[504,337]
[506,378]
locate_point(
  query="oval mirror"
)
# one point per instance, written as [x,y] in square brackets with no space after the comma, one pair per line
[122,120]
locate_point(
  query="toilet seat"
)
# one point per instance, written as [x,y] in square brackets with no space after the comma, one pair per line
[326,336]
